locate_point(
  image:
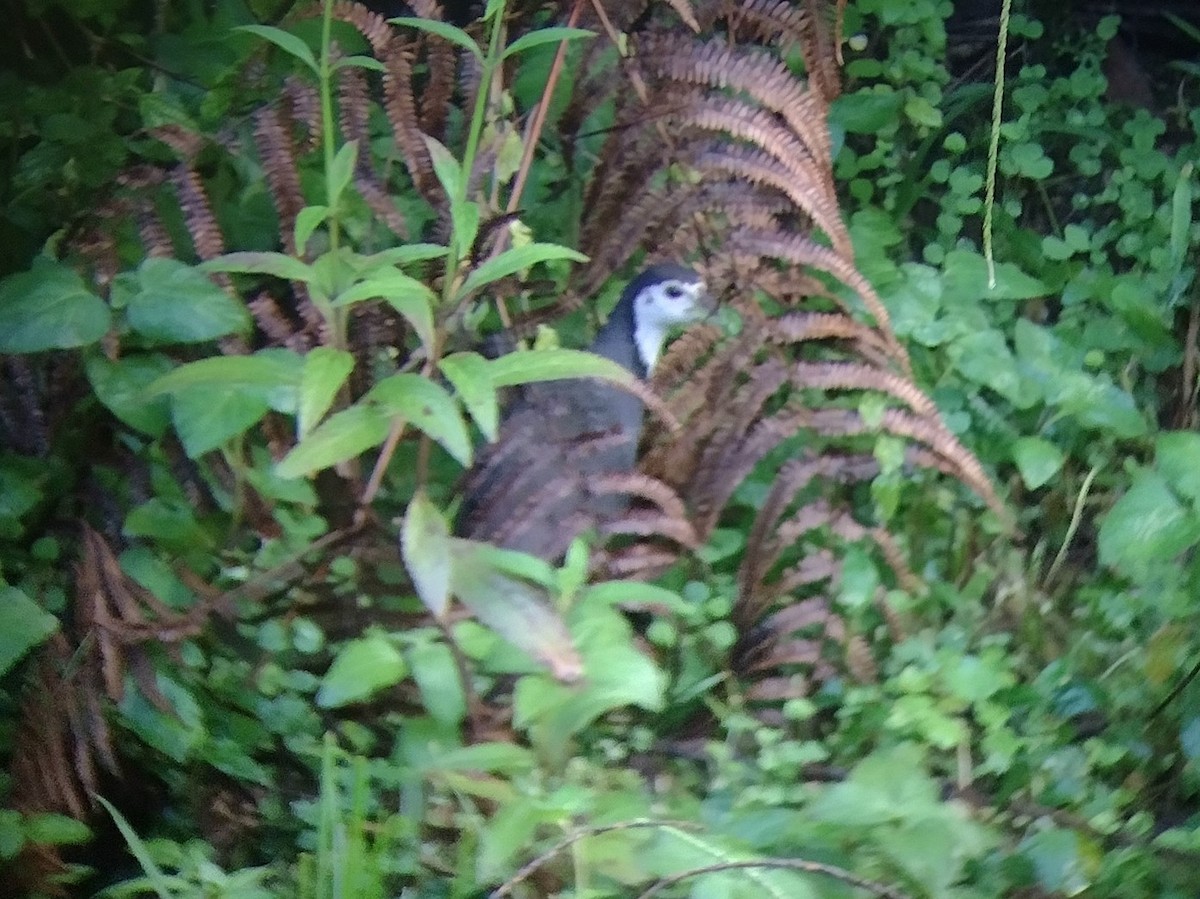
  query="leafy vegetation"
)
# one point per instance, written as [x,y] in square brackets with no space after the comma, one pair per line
[903,604]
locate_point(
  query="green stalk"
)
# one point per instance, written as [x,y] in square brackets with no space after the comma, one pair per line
[336,317]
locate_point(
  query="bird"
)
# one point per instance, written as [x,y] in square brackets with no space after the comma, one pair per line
[535,488]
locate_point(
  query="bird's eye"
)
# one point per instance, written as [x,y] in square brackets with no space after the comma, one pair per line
[675,292]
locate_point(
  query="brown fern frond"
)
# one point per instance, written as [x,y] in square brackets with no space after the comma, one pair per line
[272,137]
[378,197]
[750,71]
[855,376]
[353,108]
[197,213]
[801,250]
[399,100]
[859,661]
[303,107]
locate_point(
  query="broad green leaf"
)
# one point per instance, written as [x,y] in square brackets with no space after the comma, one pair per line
[325,370]
[545,36]
[307,221]
[341,170]
[866,111]
[516,609]
[464,216]
[178,731]
[428,406]
[438,679]
[637,595]
[529,366]
[514,260]
[205,419]
[966,281]
[445,30]
[470,375]
[1177,456]
[1038,460]
[56,830]
[49,308]
[267,370]
[286,41]
[361,668]
[425,545]
[408,296]
[177,303]
[984,357]
[1060,858]
[264,263]
[121,386]
[1146,528]
[23,625]
[342,436]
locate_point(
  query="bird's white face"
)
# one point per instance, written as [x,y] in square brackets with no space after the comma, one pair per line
[662,306]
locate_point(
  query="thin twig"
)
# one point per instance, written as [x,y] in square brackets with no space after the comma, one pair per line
[507,887]
[1076,515]
[787,864]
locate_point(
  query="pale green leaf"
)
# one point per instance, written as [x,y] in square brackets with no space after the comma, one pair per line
[360,62]
[554,364]
[342,436]
[439,681]
[428,406]
[545,36]
[407,295]
[514,260]
[341,170]
[325,370]
[1038,460]
[1146,528]
[260,263]
[470,375]
[361,668]
[266,370]
[307,221]
[445,30]
[425,545]
[1177,456]
[286,41]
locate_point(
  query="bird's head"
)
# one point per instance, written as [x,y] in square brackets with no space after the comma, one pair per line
[661,298]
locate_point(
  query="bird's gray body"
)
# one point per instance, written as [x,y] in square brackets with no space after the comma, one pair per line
[540,484]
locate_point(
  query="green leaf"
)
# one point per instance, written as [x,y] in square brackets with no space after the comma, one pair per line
[23,625]
[307,221]
[286,41]
[360,62]
[413,252]
[545,36]
[56,830]
[446,167]
[966,281]
[176,303]
[1177,456]
[514,260]
[471,376]
[425,545]
[276,264]
[325,370]
[266,370]
[1038,460]
[408,296]
[866,111]
[442,29]
[341,170]
[361,668]
[464,216]
[342,436]
[206,419]
[49,308]
[121,386]
[516,609]
[428,406]
[1181,217]
[528,366]
[140,851]
[438,679]
[1147,528]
